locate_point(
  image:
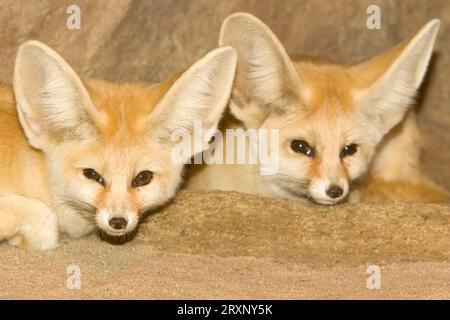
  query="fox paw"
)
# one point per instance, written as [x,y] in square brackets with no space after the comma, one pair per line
[9,226]
[38,232]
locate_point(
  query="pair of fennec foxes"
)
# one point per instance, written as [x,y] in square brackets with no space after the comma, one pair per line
[81,156]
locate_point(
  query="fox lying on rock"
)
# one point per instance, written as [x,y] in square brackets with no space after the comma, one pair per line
[345,132]
[95,155]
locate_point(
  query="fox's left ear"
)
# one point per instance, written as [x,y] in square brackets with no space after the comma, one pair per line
[391,79]
[198,96]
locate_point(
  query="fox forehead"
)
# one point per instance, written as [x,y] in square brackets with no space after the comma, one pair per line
[121,144]
[329,114]
[325,85]
[125,106]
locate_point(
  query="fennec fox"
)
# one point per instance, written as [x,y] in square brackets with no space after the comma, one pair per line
[343,130]
[95,155]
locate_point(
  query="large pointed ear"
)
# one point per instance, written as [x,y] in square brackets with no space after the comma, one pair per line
[197,98]
[52,102]
[265,75]
[391,79]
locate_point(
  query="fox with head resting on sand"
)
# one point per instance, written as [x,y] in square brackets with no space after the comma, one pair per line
[95,155]
[343,130]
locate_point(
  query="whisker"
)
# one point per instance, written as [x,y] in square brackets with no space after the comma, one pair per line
[294,185]
[84,208]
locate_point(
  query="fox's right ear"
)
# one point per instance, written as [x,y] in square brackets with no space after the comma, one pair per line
[265,75]
[52,103]
[391,79]
[199,95]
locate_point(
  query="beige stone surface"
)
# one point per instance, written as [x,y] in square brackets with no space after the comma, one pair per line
[235,246]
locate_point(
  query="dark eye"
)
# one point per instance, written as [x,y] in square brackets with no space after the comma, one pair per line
[91,174]
[142,179]
[349,150]
[303,147]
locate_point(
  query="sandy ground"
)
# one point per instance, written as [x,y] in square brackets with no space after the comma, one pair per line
[237,246]
[138,272]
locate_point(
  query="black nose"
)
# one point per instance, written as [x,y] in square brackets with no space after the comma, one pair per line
[334,191]
[118,223]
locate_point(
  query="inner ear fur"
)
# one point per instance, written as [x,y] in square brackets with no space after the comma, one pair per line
[52,103]
[199,95]
[390,80]
[265,75]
